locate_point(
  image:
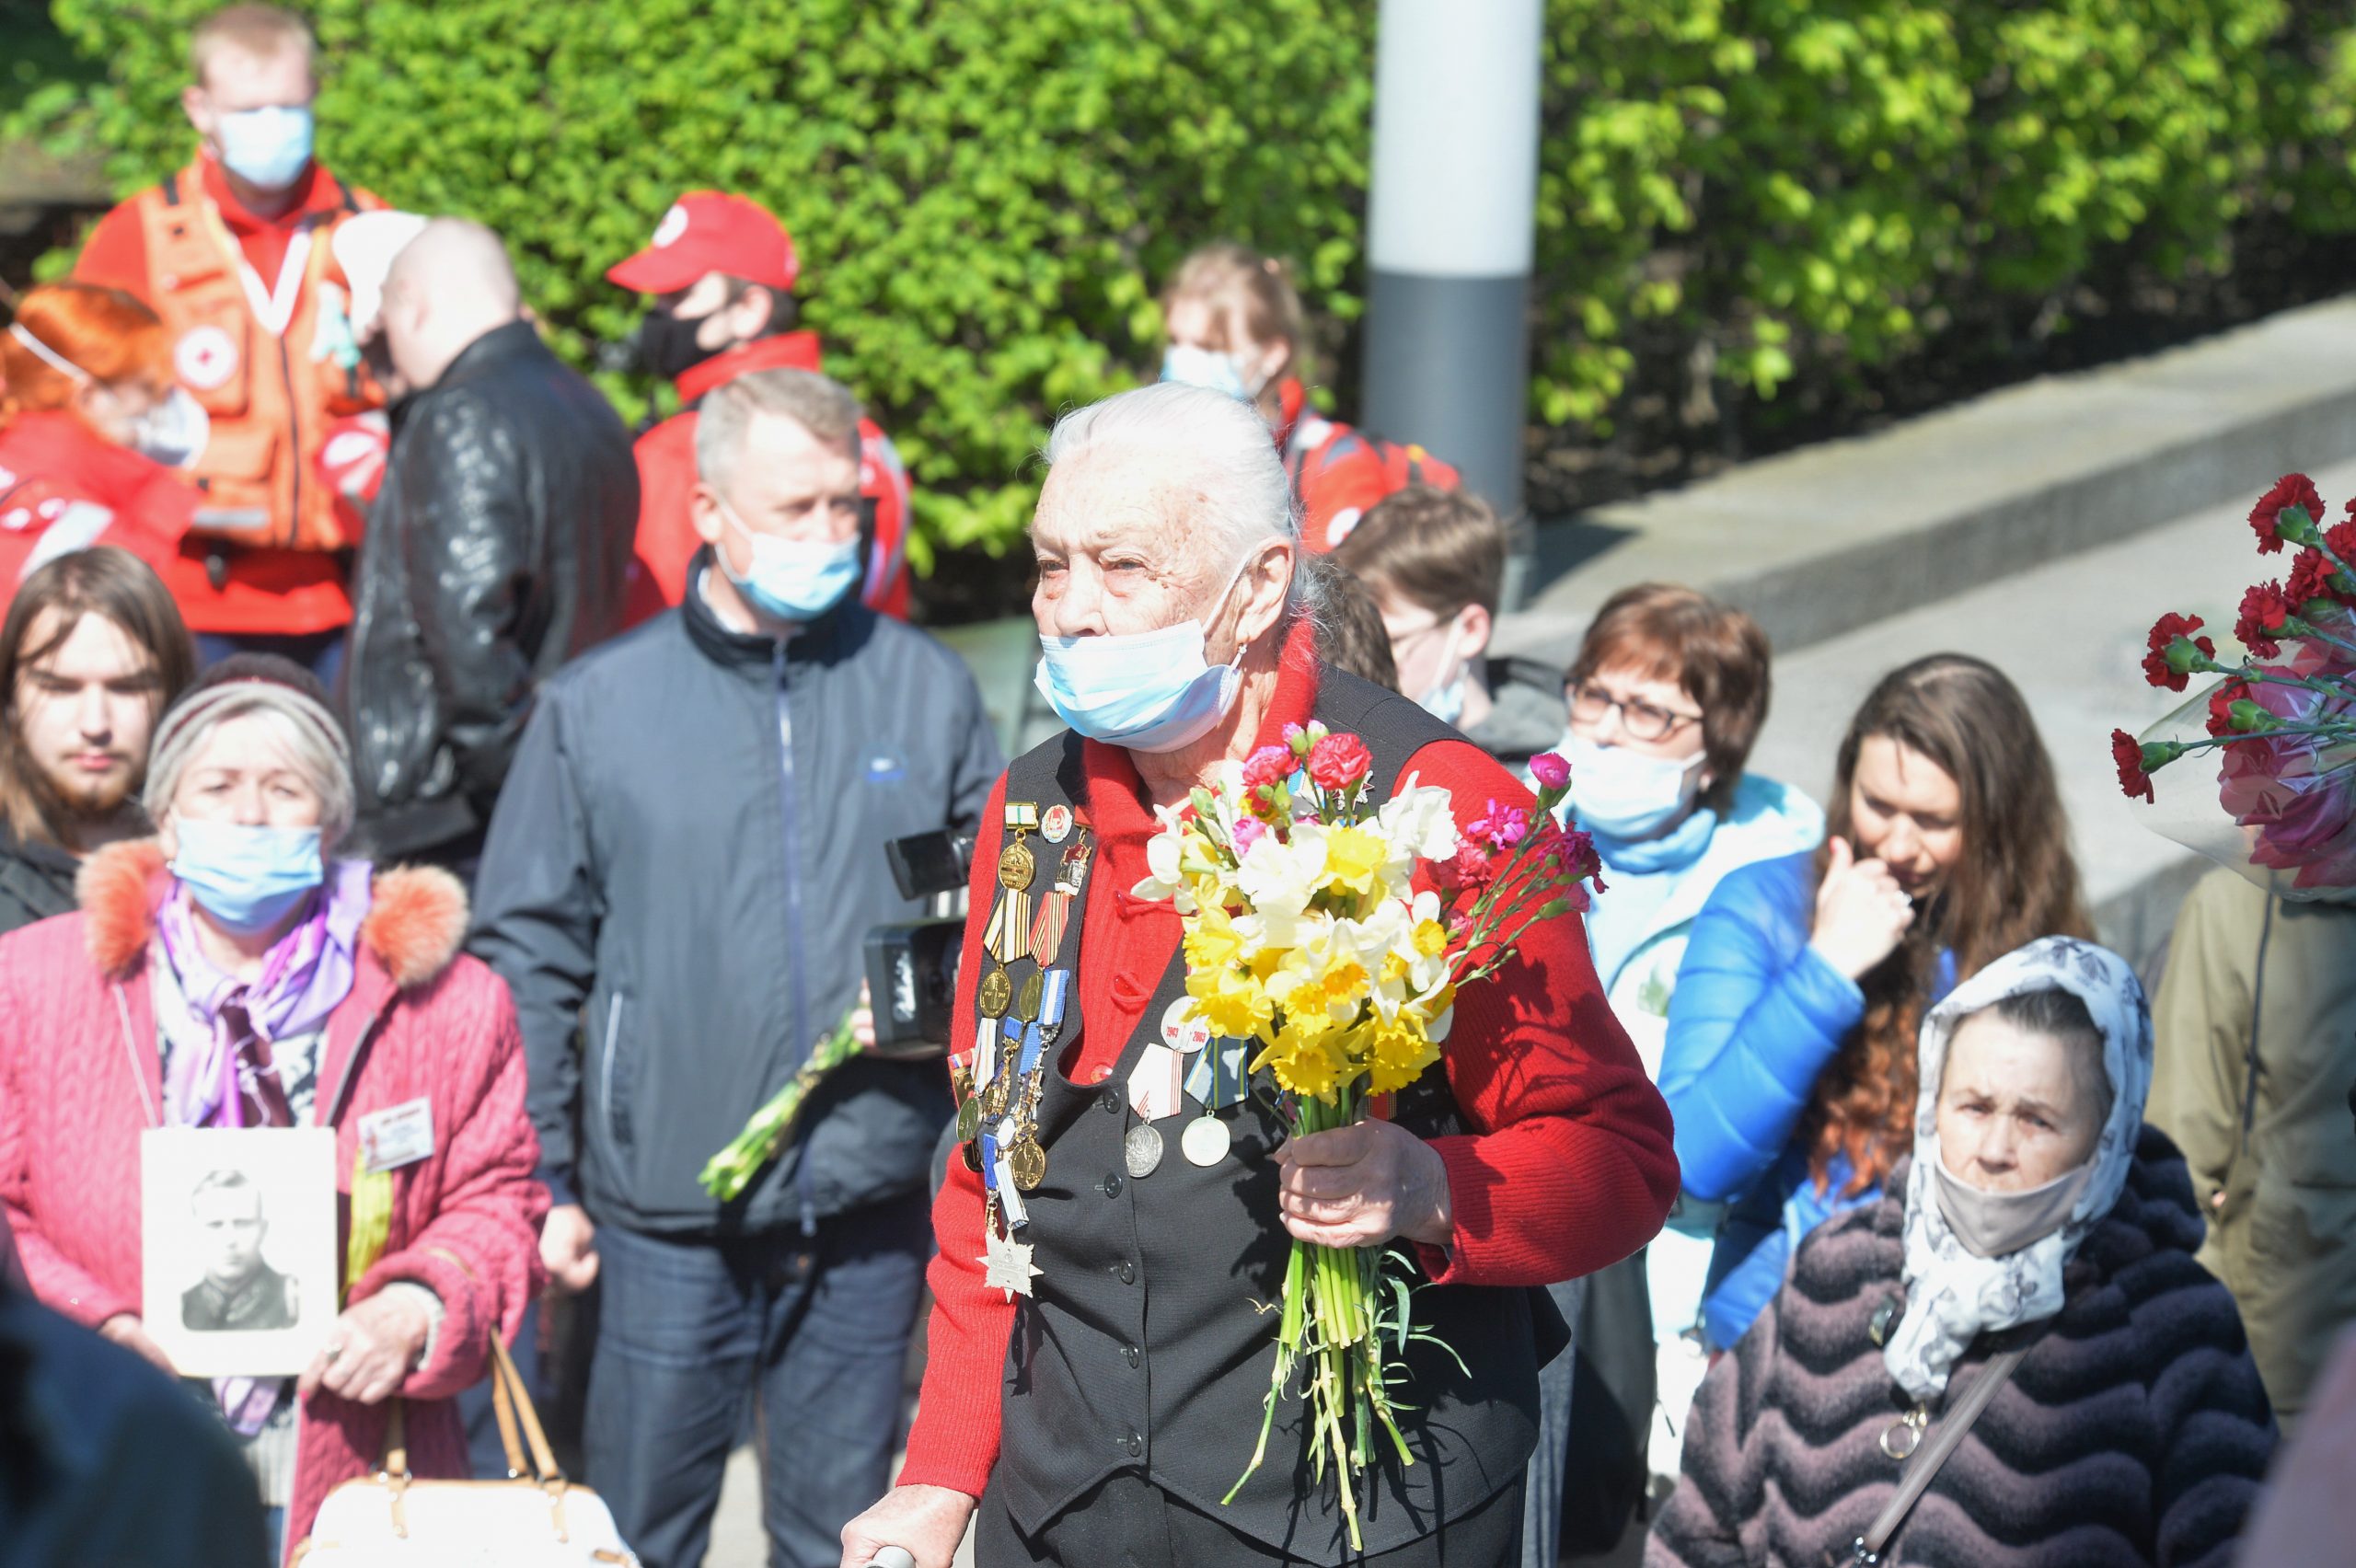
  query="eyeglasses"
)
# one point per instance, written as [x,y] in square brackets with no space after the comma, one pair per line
[1642,721]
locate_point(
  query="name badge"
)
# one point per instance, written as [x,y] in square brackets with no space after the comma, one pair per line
[398,1136]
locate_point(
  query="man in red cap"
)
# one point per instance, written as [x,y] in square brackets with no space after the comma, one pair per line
[721,269]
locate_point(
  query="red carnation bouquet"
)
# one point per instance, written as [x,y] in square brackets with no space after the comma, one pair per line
[2281,722]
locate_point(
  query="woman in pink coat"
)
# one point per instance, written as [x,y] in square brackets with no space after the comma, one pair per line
[232,972]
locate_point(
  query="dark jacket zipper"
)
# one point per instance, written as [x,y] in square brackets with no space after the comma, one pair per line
[798,1043]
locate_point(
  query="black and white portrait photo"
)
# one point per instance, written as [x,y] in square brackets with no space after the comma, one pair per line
[239,1289]
[238,1246]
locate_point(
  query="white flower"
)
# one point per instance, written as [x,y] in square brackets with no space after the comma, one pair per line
[1419,821]
[1279,879]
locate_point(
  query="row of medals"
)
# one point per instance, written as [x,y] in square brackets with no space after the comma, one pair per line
[1206,1140]
[999,996]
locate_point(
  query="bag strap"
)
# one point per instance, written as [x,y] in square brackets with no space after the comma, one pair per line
[1925,1464]
[510,1388]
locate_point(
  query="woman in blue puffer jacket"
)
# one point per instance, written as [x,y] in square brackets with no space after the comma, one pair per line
[1789,1065]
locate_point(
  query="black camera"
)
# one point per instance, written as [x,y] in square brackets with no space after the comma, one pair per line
[912,968]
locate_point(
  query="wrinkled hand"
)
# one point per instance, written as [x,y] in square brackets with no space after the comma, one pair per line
[370,1351]
[568,1248]
[930,1521]
[862,1019]
[1360,1186]
[1861,912]
[126,1330]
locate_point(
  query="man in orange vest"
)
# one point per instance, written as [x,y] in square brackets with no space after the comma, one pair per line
[723,268]
[232,253]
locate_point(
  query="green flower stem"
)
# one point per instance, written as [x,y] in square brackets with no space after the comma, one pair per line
[728,1173]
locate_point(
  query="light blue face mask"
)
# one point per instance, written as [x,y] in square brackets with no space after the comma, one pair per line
[249,879]
[1624,794]
[1206,368]
[266,147]
[1149,691]
[792,580]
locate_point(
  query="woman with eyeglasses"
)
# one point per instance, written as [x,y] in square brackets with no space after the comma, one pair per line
[1664,698]
[1790,1065]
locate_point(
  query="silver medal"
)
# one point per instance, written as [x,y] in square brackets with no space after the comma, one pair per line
[1141,1151]
[1205,1141]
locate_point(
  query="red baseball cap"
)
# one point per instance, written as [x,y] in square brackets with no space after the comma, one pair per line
[711,231]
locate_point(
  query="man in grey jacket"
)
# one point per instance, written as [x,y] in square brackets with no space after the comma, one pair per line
[679,875]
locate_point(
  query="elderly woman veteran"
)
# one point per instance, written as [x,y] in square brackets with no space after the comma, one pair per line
[1103,1417]
[233,973]
[2027,1286]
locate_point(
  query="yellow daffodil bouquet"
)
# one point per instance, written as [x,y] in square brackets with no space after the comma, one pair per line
[1305,932]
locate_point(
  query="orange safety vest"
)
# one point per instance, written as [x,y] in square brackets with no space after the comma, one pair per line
[268,382]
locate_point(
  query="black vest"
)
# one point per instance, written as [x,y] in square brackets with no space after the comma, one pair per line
[1143,1348]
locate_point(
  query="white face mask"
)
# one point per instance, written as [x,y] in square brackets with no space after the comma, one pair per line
[1444,700]
[172,432]
[1626,794]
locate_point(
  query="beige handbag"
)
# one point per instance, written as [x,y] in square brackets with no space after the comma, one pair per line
[534,1519]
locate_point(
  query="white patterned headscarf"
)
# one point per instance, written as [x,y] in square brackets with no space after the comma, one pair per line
[1953,1296]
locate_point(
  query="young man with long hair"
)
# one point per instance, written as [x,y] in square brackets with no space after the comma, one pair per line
[91,652]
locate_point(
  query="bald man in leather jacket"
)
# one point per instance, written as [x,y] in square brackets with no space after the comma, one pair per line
[498,548]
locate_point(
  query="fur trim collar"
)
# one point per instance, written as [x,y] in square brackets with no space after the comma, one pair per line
[413,929]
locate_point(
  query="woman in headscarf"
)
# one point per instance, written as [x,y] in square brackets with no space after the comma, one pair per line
[235,970]
[2036,1254]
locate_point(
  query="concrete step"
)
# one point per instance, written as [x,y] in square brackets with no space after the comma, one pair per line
[2071,634]
[1809,541]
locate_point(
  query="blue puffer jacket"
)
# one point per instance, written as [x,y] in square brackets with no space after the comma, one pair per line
[1757,1015]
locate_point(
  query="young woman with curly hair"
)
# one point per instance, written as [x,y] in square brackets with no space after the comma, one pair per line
[1789,1065]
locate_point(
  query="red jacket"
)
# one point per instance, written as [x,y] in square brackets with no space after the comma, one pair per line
[81,1076]
[667,539]
[1574,1166]
[63,486]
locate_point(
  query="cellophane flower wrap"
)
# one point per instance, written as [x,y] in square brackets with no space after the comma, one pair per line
[1337,932]
[2279,724]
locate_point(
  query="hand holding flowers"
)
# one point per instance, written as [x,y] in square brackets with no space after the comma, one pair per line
[1337,932]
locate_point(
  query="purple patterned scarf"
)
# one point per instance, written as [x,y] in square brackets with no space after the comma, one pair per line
[218,1070]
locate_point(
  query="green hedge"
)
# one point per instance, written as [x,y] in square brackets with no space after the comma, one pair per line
[987,192]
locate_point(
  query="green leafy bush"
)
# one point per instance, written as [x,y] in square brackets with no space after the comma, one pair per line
[987,192]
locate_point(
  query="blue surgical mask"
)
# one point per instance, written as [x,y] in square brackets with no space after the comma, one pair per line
[1626,794]
[1149,691]
[1206,368]
[249,879]
[792,580]
[266,147]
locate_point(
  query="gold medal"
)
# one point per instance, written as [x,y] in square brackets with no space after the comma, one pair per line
[969,1120]
[993,1101]
[1016,867]
[1027,1001]
[996,990]
[1029,1162]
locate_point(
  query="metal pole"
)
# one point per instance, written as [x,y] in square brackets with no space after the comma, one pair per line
[1451,229]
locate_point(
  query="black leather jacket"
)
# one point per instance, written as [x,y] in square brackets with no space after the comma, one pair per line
[498,548]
